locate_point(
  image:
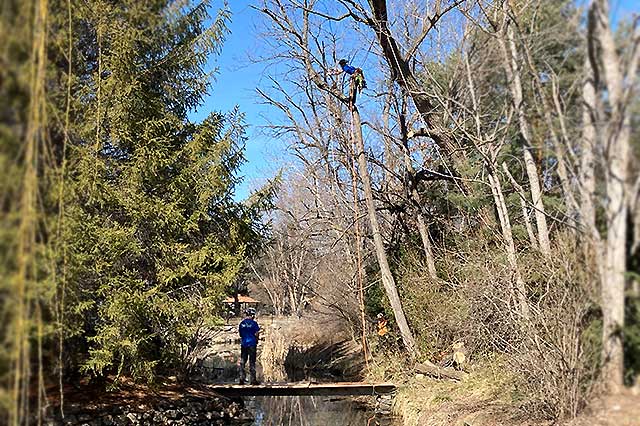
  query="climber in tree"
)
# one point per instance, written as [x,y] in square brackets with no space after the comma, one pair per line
[355,73]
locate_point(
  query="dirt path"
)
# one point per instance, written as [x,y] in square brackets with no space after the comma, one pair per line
[620,410]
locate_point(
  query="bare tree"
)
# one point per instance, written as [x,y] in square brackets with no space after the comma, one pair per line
[501,111]
[399,63]
[387,277]
[511,63]
[489,147]
[306,49]
[618,75]
[411,182]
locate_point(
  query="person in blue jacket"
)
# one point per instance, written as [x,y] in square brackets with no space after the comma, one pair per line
[249,333]
[356,74]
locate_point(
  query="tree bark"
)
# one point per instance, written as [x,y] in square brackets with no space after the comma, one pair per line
[510,63]
[523,206]
[616,174]
[510,247]
[415,195]
[588,149]
[401,73]
[387,278]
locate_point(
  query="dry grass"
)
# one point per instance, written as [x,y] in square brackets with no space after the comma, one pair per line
[485,397]
[315,344]
[274,351]
[550,357]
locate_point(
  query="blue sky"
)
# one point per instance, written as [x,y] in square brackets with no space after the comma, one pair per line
[238,78]
[236,84]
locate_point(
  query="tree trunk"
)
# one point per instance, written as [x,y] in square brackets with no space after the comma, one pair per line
[510,63]
[381,254]
[360,273]
[616,155]
[433,370]
[614,282]
[563,175]
[402,74]
[415,195]
[510,247]
[523,206]
[588,149]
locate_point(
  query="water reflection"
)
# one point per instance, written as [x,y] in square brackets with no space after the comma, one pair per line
[311,411]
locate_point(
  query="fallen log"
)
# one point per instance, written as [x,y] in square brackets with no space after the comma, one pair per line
[433,370]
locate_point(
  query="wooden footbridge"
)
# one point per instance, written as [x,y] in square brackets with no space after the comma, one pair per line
[303,389]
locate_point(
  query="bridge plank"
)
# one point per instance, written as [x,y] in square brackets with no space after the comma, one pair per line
[303,389]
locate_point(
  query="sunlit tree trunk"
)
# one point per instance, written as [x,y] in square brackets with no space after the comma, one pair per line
[387,278]
[523,206]
[410,171]
[510,247]
[588,149]
[512,70]
[616,150]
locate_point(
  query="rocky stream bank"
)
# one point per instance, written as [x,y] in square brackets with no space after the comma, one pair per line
[137,405]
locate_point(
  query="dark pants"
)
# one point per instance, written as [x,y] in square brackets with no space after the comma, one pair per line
[248,352]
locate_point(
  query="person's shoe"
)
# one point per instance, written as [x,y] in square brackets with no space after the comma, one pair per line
[255,382]
[241,382]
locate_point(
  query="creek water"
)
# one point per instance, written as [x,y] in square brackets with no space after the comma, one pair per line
[296,410]
[313,411]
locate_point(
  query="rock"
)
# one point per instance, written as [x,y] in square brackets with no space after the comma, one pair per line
[133,418]
[244,416]
[108,420]
[419,376]
[158,417]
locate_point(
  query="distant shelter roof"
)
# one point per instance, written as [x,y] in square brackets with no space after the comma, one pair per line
[241,299]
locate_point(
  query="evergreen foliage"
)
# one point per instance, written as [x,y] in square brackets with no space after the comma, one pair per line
[151,194]
[139,230]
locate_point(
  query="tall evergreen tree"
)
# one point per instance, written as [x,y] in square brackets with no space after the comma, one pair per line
[152,233]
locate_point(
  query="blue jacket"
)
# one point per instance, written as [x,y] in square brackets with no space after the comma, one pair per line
[348,69]
[248,329]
